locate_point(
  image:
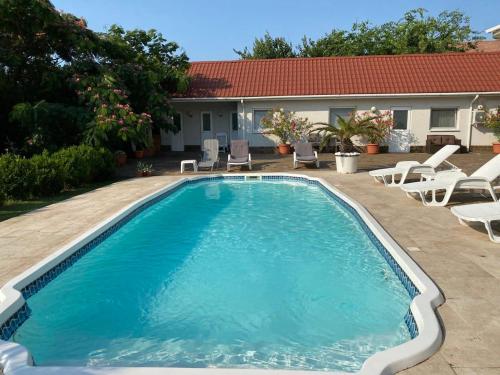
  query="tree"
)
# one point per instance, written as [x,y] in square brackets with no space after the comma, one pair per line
[415,32]
[268,47]
[45,57]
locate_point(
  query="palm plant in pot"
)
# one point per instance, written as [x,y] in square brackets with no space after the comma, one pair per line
[286,126]
[343,130]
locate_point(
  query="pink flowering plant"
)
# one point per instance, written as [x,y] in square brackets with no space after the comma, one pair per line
[113,117]
[492,120]
[378,125]
[285,125]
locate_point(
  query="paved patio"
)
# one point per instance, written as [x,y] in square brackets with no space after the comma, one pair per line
[461,260]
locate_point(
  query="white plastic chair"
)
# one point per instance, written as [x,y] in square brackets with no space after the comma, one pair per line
[449,181]
[404,168]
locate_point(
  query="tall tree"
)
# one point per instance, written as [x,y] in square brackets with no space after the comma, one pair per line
[268,47]
[46,56]
[415,32]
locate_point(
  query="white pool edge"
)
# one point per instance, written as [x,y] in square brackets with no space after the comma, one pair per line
[16,360]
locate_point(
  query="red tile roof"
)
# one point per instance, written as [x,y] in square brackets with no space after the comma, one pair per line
[401,74]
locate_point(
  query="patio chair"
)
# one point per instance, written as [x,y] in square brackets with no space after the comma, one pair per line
[210,155]
[404,168]
[222,138]
[449,181]
[305,154]
[480,212]
[239,154]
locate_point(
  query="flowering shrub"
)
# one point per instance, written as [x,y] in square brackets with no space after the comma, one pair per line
[287,126]
[114,117]
[378,126]
[492,121]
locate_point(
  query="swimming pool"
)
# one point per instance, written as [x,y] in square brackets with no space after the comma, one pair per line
[279,273]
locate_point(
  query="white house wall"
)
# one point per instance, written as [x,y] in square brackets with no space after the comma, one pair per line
[317,110]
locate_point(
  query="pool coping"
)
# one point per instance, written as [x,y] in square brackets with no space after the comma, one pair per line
[15,359]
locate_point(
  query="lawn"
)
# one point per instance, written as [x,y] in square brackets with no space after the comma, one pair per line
[15,208]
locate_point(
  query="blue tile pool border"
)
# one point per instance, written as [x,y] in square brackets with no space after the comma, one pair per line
[8,328]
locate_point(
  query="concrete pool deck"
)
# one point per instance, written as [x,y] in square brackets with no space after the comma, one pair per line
[461,260]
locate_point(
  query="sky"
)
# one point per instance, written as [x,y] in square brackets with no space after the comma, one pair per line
[210,29]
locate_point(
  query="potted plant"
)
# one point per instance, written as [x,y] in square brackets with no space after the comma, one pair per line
[346,160]
[144,170]
[286,126]
[121,158]
[492,121]
[139,154]
[377,129]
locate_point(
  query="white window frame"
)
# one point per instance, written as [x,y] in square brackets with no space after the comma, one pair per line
[437,130]
[211,121]
[254,130]
[408,109]
[339,107]
[231,122]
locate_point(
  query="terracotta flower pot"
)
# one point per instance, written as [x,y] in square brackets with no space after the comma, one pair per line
[139,154]
[372,148]
[149,152]
[496,147]
[121,159]
[284,149]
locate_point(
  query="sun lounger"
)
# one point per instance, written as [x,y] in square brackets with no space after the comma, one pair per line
[404,168]
[449,181]
[210,155]
[480,212]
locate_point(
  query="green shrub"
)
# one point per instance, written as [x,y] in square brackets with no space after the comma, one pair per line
[101,162]
[48,175]
[16,177]
[74,164]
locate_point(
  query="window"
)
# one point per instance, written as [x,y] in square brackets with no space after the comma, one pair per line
[206,121]
[400,117]
[342,112]
[258,115]
[443,118]
[234,122]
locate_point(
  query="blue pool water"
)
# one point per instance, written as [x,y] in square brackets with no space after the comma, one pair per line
[225,274]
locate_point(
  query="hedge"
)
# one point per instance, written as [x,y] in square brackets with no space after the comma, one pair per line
[47,174]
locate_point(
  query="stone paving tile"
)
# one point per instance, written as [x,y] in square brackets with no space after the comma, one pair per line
[477,371]
[461,259]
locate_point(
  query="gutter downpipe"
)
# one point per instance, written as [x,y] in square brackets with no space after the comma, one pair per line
[469,128]
[244,119]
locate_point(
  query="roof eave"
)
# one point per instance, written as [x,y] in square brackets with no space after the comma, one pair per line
[344,96]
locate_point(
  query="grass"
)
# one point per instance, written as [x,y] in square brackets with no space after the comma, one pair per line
[15,208]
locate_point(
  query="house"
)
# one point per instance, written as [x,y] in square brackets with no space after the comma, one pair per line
[429,94]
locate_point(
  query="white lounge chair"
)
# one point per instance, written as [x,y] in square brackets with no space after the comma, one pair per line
[481,212]
[449,181]
[404,168]
[239,154]
[210,155]
[304,153]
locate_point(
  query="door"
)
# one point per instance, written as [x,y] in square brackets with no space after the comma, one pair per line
[399,138]
[233,126]
[177,139]
[206,126]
